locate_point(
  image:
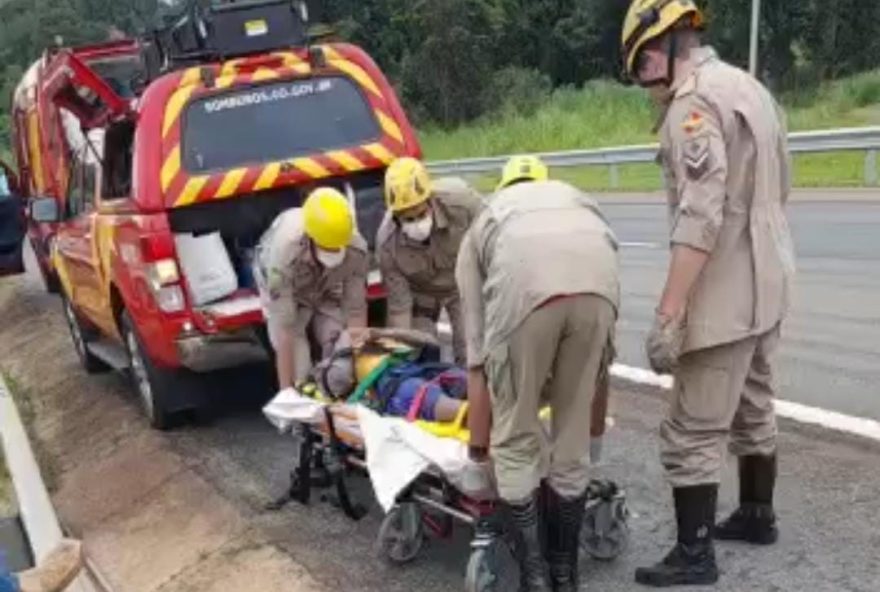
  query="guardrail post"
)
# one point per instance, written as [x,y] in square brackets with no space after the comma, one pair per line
[871,168]
[614,174]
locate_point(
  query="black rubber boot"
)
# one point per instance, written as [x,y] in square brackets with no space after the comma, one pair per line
[754,521]
[564,520]
[692,561]
[526,519]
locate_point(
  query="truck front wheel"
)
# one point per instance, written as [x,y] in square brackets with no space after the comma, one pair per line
[155,386]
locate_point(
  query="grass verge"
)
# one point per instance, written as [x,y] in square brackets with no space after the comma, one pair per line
[23,401]
[604,113]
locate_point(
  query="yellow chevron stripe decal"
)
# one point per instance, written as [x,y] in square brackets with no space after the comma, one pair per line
[294,62]
[303,68]
[170,168]
[225,81]
[175,106]
[380,152]
[264,74]
[191,191]
[230,183]
[268,177]
[190,77]
[348,162]
[389,125]
[229,68]
[352,70]
[311,167]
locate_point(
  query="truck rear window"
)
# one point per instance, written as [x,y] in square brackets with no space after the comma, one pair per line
[273,122]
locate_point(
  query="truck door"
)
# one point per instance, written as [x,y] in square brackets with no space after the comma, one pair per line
[77,242]
[12,225]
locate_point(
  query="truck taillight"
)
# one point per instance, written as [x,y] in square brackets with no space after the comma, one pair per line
[155,247]
[163,273]
[170,299]
[164,278]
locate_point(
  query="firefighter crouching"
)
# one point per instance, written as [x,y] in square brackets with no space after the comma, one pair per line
[538,277]
[417,246]
[311,268]
[723,149]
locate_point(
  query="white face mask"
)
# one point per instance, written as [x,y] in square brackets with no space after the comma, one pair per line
[330,259]
[419,230]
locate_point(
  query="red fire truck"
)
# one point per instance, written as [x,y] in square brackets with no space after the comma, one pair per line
[233,116]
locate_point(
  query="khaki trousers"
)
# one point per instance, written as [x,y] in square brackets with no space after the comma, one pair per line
[721,392]
[555,356]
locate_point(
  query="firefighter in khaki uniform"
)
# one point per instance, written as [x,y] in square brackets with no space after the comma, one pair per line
[417,246]
[311,269]
[539,285]
[723,148]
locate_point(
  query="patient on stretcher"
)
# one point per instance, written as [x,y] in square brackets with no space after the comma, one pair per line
[395,372]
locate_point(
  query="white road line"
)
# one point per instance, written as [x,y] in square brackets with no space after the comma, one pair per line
[638,245]
[641,376]
[859,426]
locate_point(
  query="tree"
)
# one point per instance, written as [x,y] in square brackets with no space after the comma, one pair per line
[447,74]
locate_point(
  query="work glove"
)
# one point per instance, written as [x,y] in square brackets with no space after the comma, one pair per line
[359,336]
[664,343]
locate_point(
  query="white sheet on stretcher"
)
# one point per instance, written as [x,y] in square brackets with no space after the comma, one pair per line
[397,451]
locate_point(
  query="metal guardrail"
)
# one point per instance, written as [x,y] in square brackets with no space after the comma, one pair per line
[865,139]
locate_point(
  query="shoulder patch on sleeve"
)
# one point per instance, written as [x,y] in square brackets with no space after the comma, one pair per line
[693,122]
[697,157]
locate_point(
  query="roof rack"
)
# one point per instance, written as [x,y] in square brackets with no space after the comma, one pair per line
[193,32]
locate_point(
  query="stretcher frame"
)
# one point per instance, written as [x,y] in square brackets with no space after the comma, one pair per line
[328,453]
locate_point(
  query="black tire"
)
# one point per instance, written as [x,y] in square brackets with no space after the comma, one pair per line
[81,335]
[401,537]
[51,282]
[605,532]
[154,386]
[50,278]
[492,568]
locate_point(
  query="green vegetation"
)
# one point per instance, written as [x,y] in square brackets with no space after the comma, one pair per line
[608,114]
[7,492]
[7,505]
[497,76]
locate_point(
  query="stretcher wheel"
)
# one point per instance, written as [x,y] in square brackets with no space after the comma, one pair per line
[401,535]
[605,532]
[492,567]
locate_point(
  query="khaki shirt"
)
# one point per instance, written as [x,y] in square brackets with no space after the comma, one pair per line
[725,155]
[531,243]
[425,272]
[294,280]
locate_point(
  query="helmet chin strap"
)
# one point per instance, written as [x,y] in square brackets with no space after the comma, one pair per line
[673,52]
[670,65]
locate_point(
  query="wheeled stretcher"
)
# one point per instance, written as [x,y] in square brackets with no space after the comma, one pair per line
[425,483]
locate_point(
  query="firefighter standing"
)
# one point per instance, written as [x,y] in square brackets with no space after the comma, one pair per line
[538,277]
[724,152]
[311,273]
[417,246]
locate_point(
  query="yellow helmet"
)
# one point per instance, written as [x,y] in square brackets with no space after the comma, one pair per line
[649,19]
[407,184]
[328,218]
[523,168]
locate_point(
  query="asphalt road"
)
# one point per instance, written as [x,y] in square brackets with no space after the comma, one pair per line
[828,489]
[830,357]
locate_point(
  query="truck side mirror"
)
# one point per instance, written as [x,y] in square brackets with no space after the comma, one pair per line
[44,209]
